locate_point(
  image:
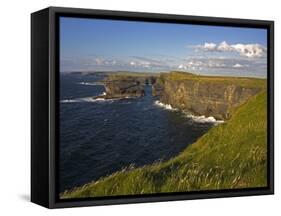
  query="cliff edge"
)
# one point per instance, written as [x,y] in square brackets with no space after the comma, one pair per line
[206,95]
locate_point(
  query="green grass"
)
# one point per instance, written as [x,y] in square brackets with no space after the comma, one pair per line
[127,74]
[230,155]
[241,81]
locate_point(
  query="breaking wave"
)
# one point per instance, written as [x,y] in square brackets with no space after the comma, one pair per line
[85,99]
[90,83]
[204,119]
[200,119]
[93,99]
[164,106]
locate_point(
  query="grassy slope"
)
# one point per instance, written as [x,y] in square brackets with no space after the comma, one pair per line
[231,155]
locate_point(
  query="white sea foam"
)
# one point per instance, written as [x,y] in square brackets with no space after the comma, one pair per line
[92,99]
[89,83]
[87,99]
[204,119]
[164,106]
[80,100]
[200,119]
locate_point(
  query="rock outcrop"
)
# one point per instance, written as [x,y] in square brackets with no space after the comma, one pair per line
[123,88]
[209,96]
[127,84]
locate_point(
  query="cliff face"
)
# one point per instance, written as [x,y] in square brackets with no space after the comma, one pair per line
[209,97]
[198,95]
[157,88]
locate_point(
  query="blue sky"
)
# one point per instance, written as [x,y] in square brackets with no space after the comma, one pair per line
[107,45]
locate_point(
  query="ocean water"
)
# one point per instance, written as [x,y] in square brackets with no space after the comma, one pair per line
[100,137]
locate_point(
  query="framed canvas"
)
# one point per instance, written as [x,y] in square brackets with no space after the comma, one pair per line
[139,107]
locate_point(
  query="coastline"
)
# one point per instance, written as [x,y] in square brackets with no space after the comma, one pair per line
[201,165]
[235,89]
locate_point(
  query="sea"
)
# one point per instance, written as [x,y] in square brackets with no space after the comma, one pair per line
[99,137]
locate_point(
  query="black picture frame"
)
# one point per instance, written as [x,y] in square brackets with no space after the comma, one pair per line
[45,94]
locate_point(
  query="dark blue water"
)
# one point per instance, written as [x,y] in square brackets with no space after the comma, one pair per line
[98,138]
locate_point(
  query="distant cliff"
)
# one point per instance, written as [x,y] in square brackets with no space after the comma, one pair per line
[122,88]
[206,95]
[122,85]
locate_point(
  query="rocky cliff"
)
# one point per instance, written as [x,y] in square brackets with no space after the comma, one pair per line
[199,95]
[206,95]
[123,88]
[122,85]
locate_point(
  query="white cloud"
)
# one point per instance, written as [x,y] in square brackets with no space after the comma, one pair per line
[206,63]
[209,46]
[218,63]
[224,47]
[237,65]
[182,67]
[250,50]
[247,50]
[147,63]
[99,61]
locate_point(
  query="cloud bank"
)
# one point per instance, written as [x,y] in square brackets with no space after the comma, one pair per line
[246,50]
[198,64]
[221,59]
